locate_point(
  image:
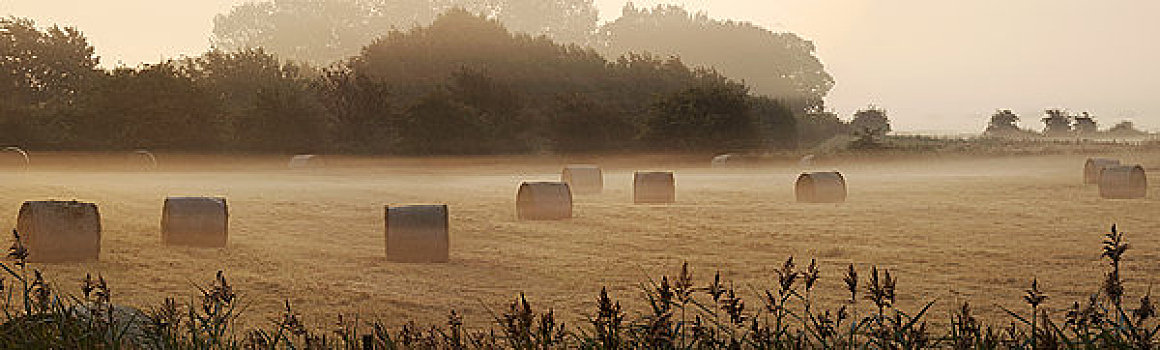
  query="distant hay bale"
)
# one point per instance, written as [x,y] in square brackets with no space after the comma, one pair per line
[305,161]
[1092,167]
[195,221]
[723,160]
[141,160]
[1123,182]
[654,187]
[417,233]
[60,231]
[583,179]
[14,157]
[544,201]
[820,187]
[806,161]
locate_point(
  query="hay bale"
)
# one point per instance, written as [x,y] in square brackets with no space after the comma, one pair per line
[141,160]
[806,161]
[14,157]
[544,201]
[60,231]
[1123,182]
[305,161]
[656,187]
[583,179]
[417,233]
[195,221]
[1092,167]
[723,160]
[820,187]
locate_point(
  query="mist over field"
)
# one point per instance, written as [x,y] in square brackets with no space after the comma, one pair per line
[564,174]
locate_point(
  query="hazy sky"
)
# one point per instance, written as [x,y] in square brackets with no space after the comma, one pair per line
[935,65]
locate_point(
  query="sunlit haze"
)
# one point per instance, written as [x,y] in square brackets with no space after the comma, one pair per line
[936,66]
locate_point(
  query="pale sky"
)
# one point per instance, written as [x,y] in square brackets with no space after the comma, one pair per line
[935,65]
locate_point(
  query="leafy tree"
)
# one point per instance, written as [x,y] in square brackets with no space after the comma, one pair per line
[871,120]
[818,125]
[157,107]
[775,64]
[438,124]
[1125,129]
[361,112]
[44,75]
[581,124]
[1057,123]
[1003,122]
[707,118]
[1086,124]
[777,122]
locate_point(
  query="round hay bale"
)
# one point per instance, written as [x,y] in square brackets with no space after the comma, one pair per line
[195,221]
[141,160]
[544,201]
[60,231]
[656,187]
[14,157]
[1092,167]
[1123,182]
[722,161]
[820,187]
[417,233]
[583,179]
[305,161]
[806,161]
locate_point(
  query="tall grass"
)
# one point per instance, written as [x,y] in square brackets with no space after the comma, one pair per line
[680,313]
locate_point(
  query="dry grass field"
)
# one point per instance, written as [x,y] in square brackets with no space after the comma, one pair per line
[965,229]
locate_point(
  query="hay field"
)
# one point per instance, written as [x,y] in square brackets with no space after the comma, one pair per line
[952,230]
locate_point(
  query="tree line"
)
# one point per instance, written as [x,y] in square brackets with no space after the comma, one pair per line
[463,84]
[1058,123]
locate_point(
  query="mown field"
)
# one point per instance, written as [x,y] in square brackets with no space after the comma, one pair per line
[975,229]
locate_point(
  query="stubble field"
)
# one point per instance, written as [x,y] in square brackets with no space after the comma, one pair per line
[952,230]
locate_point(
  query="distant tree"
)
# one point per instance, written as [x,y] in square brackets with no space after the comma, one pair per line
[1086,125]
[1003,123]
[871,120]
[324,31]
[318,31]
[1125,129]
[782,65]
[703,118]
[1057,123]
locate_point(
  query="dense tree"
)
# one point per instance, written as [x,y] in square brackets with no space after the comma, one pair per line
[774,64]
[44,75]
[1125,129]
[1085,124]
[462,85]
[872,120]
[1056,123]
[817,126]
[1003,122]
[709,118]
[363,119]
